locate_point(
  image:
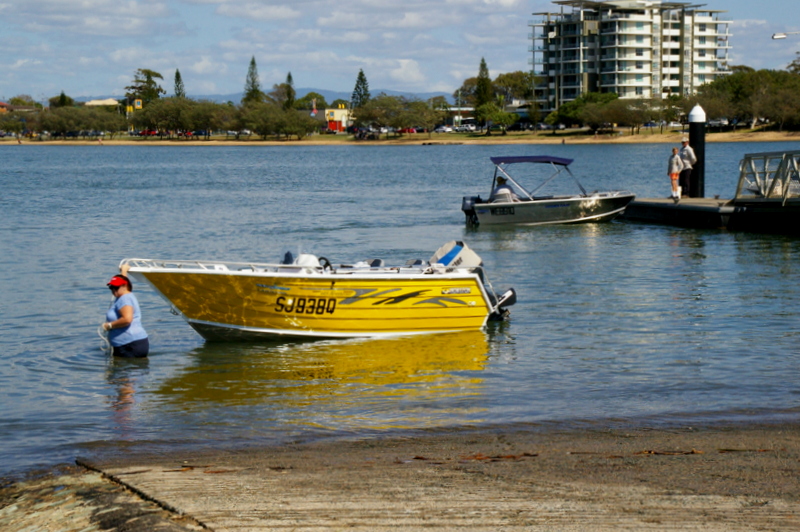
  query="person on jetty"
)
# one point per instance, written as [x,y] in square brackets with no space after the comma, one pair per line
[689,159]
[674,168]
[124,320]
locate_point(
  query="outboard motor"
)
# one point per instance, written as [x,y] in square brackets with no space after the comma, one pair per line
[468,206]
[508,298]
[456,254]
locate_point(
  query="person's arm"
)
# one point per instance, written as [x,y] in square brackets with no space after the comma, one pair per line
[125,319]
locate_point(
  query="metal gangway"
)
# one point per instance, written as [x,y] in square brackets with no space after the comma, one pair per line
[769,176]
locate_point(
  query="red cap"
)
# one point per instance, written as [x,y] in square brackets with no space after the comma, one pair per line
[117,281]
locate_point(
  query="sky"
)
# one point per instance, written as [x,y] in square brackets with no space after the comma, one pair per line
[92,48]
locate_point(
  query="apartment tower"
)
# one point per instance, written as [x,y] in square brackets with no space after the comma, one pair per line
[635,48]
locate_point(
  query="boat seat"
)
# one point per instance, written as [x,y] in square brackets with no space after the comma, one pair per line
[503,197]
[375,263]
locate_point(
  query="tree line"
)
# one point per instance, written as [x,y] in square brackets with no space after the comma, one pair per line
[277,112]
[744,98]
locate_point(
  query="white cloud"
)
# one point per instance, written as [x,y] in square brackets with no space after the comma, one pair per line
[206,65]
[252,11]
[408,73]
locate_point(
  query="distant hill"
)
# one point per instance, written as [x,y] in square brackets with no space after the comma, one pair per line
[330,96]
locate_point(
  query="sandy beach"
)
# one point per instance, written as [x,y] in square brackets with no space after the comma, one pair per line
[723,477]
[559,137]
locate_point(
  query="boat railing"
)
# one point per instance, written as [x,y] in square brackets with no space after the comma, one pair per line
[417,268]
[769,175]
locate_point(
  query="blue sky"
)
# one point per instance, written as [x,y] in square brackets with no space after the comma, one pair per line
[93,47]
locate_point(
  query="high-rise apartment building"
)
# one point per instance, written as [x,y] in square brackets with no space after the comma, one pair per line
[635,48]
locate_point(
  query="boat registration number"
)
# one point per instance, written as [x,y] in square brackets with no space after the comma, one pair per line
[303,305]
[502,211]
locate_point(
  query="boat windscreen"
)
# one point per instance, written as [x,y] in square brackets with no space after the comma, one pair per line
[532,159]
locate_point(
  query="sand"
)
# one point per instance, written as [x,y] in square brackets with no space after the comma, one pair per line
[712,478]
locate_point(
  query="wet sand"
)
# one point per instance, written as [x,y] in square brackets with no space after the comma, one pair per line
[735,477]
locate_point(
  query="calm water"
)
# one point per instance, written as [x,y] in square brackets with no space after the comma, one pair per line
[614,322]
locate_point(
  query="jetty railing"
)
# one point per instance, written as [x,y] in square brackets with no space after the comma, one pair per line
[769,176]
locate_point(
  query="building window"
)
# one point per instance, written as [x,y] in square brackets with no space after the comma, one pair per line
[702,53]
[639,25]
[702,40]
[701,78]
[639,91]
[640,52]
[640,39]
[702,28]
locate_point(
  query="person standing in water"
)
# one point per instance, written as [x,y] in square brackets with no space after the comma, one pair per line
[124,320]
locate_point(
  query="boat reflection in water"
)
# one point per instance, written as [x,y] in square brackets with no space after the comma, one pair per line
[410,382]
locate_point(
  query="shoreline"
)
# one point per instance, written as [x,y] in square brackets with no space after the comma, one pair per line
[723,476]
[433,139]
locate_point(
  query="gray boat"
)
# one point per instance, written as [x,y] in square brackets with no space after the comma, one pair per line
[511,203]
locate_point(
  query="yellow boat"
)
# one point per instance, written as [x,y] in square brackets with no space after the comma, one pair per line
[309,297]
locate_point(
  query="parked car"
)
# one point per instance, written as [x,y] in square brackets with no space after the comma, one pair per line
[520,126]
[718,122]
[443,129]
[542,126]
[407,130]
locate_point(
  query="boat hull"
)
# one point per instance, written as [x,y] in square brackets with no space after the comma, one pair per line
[225,305]
[558,210]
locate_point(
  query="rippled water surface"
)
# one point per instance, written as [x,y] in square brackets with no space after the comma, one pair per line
[615,321]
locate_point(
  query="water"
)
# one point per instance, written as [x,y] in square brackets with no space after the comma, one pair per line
[615,322]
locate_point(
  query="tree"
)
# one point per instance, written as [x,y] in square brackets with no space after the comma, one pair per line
[312,100]
[484,92]
[62,100]
[465,95]
[426,114]
[361,91]
[291,122]
[144,86]
[794,66]
[180,92]
[494,113]
[283,94]
[24,100]
[207,116]
[515,85]
[379,111]
[571,113]
[252,87]
[12,122]
[290,93]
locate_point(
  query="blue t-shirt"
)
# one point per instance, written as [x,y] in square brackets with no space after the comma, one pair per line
[131,333]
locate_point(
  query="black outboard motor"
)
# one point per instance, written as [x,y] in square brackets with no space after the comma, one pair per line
[468,206]
[508,298]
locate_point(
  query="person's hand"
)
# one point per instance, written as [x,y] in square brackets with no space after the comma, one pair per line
[107,326]
[124,269]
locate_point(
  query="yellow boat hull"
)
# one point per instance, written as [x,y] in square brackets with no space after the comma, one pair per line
[229,304]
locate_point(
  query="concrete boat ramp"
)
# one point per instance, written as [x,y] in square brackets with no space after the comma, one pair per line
[722,479]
